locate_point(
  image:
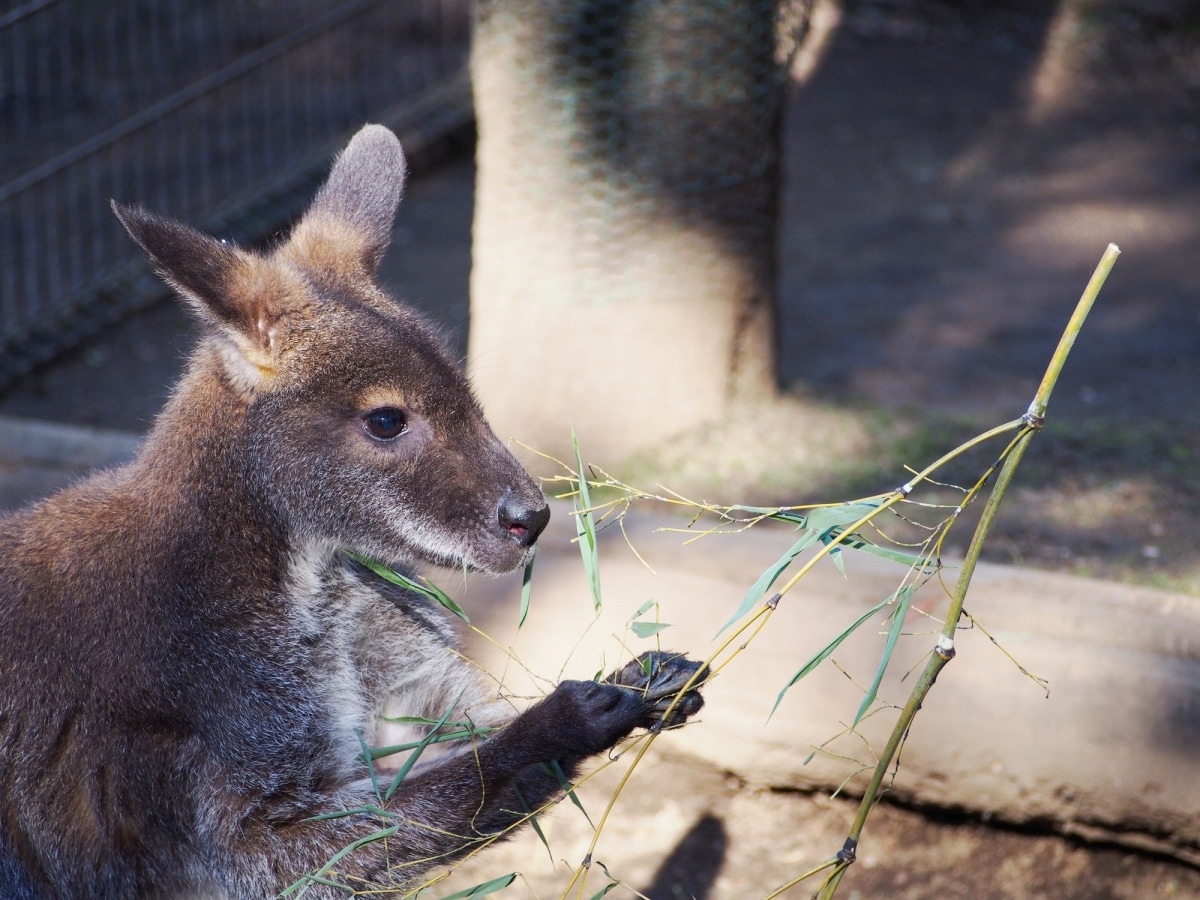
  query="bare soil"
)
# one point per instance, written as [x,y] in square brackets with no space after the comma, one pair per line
[683,831]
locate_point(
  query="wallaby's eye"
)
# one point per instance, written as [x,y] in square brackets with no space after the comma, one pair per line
[386,423]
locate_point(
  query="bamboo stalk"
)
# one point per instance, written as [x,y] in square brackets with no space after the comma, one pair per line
[944,650]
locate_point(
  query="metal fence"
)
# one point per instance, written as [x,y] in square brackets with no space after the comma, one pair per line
[211,111]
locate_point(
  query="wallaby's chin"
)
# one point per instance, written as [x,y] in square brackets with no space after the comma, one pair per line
[499,561]
[506,540]
[497,555]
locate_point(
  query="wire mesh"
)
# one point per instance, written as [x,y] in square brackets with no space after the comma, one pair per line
[209,112]
[626,208]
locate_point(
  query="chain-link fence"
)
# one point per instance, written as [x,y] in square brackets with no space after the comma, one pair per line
[212,112]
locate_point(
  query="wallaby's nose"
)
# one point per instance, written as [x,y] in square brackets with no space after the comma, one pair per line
[523,522]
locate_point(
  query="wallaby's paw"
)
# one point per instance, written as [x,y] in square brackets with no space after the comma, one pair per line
[589,717]
[658,676]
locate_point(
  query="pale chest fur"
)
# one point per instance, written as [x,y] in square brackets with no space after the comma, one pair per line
[380,653]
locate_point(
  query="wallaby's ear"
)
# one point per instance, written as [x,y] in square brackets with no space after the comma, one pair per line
[251,300]
[363,191]
[198,266]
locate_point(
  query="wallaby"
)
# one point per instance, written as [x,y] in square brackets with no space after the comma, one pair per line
[193,655]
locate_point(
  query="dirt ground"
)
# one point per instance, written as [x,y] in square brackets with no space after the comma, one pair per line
[715,838]
[954,172]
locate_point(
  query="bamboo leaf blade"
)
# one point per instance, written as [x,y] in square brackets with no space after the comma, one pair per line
[903,599]
[825,652]
[585,527]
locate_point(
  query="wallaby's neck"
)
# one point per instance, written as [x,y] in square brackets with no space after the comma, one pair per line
[195,476]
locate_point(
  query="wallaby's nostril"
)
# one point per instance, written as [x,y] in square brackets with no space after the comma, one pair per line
[524,523]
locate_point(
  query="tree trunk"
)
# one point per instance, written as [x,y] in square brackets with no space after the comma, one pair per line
[623,279]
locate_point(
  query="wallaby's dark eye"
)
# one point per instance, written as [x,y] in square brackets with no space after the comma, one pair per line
[386,423]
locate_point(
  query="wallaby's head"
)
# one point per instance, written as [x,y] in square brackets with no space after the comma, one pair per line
[346,410]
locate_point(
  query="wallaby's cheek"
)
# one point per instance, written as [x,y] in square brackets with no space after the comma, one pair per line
[490,513]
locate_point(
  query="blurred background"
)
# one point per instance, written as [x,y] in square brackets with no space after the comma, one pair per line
[759,251]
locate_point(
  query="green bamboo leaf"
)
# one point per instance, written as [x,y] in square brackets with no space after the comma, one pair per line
[459,734]
[585,527]
[368,810]
[487,887]
[428,590]
[647,629]
[835,554]
[444,599]
[643,609]
[825,518]
[370,761]
[909,560]
[300,886]
[821,523]
[903,600]
[419,749]
[771,512]
[569,789]
[526,592]
[759,589]
[612,882]
[826,652]
[533,822]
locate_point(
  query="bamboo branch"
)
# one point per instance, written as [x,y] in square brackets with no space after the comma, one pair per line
[944,650]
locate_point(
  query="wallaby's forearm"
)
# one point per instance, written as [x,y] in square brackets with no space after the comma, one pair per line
[478,794]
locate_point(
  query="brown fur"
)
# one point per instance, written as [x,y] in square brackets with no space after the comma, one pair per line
[189,658]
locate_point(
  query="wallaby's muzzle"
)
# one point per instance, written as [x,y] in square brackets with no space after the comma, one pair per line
[524,523]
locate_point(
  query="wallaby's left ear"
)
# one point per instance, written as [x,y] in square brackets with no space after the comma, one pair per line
[363,191]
